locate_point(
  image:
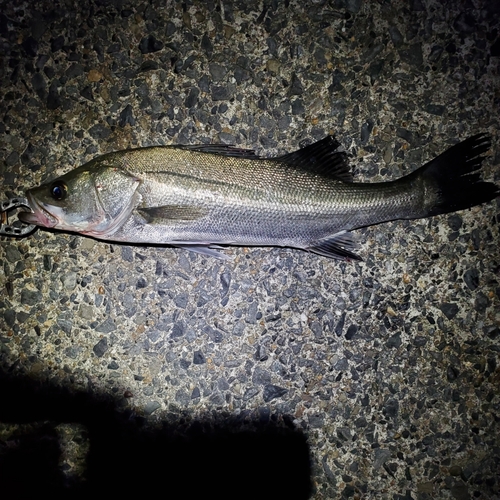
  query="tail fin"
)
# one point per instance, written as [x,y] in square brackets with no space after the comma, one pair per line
[454,178]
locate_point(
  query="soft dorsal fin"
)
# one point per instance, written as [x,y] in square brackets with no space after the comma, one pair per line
[321,158]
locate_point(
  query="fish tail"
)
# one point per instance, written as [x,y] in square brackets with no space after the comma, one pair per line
[452,181]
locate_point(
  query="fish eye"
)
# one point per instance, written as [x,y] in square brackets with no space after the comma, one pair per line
[58,190]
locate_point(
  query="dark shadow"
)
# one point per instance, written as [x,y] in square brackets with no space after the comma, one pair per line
[234,458]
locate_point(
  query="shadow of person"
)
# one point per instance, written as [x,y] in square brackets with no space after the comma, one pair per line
[220,457]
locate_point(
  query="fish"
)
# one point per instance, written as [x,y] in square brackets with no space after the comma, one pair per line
[205,197]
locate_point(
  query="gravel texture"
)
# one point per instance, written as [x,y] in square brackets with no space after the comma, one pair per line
[277,374]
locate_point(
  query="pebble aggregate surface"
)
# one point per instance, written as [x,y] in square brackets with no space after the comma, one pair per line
[385,371]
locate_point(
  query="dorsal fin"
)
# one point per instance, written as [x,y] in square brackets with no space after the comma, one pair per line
[220,149]
[321,158]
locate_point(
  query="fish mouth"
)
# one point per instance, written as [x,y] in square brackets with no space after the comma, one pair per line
[39,216]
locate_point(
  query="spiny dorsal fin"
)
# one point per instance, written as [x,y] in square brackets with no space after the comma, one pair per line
[321,158]
[221,149]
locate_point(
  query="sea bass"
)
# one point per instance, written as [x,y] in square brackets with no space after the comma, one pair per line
[200,197]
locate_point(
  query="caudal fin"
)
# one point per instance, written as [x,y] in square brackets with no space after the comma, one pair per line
[454,177]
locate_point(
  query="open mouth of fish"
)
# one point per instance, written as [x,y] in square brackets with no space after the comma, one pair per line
[40,216]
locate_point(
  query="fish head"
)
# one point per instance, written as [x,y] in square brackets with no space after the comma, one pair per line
[93,199]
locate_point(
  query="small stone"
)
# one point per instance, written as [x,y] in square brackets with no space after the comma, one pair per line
[455,222]
[39,85]
[471,278]
[435,109]
[296,88]
[481,303]
[150,44]
[455,470]
[465,23]
[127,253]
[107,326]
[151,407]
[214,334]
[126,117]
[10,317]
[250,393]
[206,45]
[396,36]
[394,341]
[251,316]
[261,376]
[381,456]
[69,280]
[353,6]
[298,107]
[460,491]
[57,43]
[192,97]
[100,348]
[86,311]
[72,351]
[12,253]
[141,283]
[178,330]
[366,130]
[412,55]
[427,487]
[12,159]
[273,66]
[351,331]
[339,327]
[86,92]
[30,45]
[452,373]
[64,324]
[185,364]
[198,358]
[217,71]
[449,310]
[391,408]
[221,93]
[74,71]
[316,421]
[272,392]
[99,131]
[30,298]
[94,75]
[171,28]
[181,300]
[53,99]
[182,397]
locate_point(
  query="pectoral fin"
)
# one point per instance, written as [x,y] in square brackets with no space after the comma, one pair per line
[171,214]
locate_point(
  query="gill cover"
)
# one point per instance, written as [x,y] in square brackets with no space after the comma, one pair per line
[92,199]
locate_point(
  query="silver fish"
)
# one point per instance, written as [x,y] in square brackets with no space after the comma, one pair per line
[200,197]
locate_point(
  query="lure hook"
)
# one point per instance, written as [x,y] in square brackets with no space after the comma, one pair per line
[16,227]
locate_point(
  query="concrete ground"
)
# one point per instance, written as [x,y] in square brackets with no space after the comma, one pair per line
[278,373]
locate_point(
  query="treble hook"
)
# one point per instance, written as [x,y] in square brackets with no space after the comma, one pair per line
[7,229]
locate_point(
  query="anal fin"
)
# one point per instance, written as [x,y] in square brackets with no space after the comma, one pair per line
[338,246]
[205,250]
